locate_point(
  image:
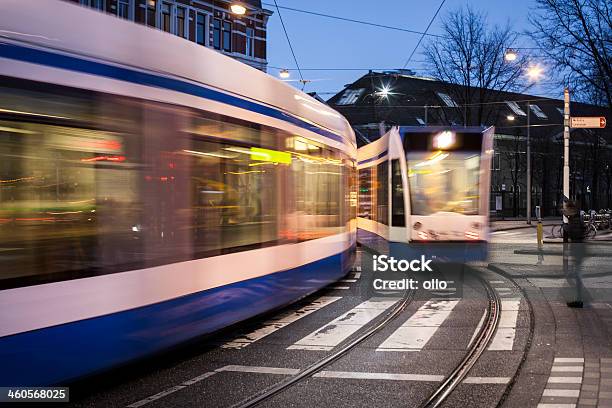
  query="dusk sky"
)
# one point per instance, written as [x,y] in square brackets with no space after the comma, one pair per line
[325,43]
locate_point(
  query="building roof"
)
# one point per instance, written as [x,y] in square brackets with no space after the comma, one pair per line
[408,100]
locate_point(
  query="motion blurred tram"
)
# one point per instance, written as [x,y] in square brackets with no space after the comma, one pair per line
[425,190]
[152,191]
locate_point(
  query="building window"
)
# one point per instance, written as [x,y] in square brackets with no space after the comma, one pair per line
[227,36]
[97,4]
[350,96]
[181,21]
[250,42]
[538,112]
[217,33]
[124,9]
[165,17]
[515,108]
[151,6]
[496,161]
[200,29]
[447,99]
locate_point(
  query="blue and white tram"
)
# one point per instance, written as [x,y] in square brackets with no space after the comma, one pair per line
[152,191]
[425,190]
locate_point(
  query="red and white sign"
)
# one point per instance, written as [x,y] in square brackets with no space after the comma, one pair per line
[598,122]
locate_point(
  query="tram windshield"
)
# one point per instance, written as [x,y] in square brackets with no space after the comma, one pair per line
[443,181]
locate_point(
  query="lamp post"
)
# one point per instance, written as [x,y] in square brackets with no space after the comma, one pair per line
[566,169]
[528,164]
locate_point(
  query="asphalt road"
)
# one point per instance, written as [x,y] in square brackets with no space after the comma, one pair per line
[401,365]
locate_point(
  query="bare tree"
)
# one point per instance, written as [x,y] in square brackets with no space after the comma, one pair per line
[576,37]
[471,54]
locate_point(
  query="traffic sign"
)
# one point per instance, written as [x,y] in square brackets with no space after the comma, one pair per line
[588,122]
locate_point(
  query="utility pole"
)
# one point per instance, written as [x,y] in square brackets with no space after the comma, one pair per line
[566,169]
[528,164]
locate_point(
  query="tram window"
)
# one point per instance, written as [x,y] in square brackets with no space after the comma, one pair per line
[398,218]
[367,193]
[70,193]
[382,196]
[317,179]
[94,184]
[233,196]
[444,182]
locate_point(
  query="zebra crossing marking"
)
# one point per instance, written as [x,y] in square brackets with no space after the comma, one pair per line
[279,322]
[333,333]
[416,332]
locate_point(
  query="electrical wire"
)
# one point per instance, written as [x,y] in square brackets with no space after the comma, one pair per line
[351,20]
[424,34]
[290,46]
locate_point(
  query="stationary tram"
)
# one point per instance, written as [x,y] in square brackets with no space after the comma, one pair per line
[152,191]
[425,190]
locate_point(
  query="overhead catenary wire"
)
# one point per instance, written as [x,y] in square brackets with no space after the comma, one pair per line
[351,20]
[297,65]
[424,34]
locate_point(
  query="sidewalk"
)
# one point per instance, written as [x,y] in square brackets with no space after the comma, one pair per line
[569,363]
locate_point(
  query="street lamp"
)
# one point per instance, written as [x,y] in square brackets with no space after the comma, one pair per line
[238,9]
[284,73]
[535,72]
[510,118]
[511,55]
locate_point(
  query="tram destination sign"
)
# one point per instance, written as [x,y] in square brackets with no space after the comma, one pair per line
[597,122]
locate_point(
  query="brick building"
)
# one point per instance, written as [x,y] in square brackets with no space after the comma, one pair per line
[209,23]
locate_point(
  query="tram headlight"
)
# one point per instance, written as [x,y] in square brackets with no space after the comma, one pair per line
[444,140]
[471,235]
[422,235]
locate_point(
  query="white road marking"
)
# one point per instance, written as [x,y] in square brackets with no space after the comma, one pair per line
[565,380]
[486,380]
[340,287]
[569,380]
[279,322]
[322,374]
[379,376]
[358,375]
[333,333]
[357,275]
[259,370]
[561,393]
[420,327]
[170,390]
[506,331]
[348,280]
[569,369]
[568,360]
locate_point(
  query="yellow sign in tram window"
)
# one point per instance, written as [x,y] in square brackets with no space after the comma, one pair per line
[270,155]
